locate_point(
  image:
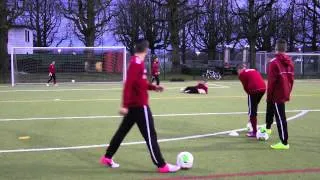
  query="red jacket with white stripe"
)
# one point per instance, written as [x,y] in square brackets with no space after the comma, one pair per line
[202,86]
[135,93]
[252,81]
[52,69]
[280,79]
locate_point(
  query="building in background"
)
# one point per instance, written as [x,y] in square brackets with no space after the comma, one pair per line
[20,36]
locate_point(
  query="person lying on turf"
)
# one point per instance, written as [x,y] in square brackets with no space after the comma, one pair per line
[200,88]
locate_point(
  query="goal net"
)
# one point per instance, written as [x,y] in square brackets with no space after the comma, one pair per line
[73,64]
[305,64]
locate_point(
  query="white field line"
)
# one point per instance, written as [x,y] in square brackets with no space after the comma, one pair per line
[218,85]
[118,99]
[158,115]
[302,113]
[214,86]
[59,90]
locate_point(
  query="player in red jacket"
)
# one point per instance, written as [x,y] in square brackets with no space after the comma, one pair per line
[135,109]
[280,84]
[200,88]
[52,73]
[254,86]
[155,71]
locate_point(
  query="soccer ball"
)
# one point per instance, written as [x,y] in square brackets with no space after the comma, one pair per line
[262,135]
[185,160]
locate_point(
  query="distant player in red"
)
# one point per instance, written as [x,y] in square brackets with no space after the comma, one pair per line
[255,87]
[135,109]
[200,88]
[52,73]
[155,71]
[280,84]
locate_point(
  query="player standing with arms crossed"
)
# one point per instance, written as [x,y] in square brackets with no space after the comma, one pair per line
[255,87]
[155,71]
[135,110]
[280,84]
[52,73]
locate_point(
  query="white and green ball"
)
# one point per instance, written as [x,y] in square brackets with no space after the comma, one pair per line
[185,160]
[262,135]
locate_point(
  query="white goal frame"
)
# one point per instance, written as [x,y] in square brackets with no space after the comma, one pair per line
[124,49]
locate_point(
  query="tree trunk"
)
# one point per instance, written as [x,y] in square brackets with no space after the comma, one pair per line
[292,30]
[174,35]
[314,29]
[183,46]
[90,36]
[212,54]
[4,63]
[252,52]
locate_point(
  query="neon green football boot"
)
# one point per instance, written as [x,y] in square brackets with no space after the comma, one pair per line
[265,130]
[280,146]
[269,132]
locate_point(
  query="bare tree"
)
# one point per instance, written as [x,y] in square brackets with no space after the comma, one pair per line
[212,26]
[10,11]
[90,18]
[44,18]
[154,29]
[140,18]
[179,12]
[127,22]
[250,13]
[312,19]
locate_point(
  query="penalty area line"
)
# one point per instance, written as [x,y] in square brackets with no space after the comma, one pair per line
[157,115]
[302,113]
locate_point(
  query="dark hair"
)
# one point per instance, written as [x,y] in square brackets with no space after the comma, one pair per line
[281,45]
[141,45]
[241,66]
[154,57]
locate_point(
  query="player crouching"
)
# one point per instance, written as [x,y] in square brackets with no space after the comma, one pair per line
[255,87]
[200,88]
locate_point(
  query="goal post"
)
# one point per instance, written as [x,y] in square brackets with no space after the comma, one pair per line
[29,65]
[305,64]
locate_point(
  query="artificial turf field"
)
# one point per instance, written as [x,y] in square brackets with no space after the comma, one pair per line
[84,117]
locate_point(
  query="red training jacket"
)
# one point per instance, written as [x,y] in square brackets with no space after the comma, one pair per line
[52,69]
[155,68]
[203,86]
[252,81]
[280,79]
[135,93]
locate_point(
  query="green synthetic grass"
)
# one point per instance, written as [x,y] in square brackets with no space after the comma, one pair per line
[213,155]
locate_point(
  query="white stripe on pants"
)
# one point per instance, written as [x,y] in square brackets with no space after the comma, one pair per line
[249,104]
[148,130]
[280,120]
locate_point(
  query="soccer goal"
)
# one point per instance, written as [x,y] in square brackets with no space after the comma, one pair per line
[305,64]
[72,64]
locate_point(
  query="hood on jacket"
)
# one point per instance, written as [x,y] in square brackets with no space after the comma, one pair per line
[284,59]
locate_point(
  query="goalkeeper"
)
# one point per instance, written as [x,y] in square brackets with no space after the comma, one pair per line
[52,73]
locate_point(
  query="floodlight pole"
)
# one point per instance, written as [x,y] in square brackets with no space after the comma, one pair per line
[12,67]
[197,53]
